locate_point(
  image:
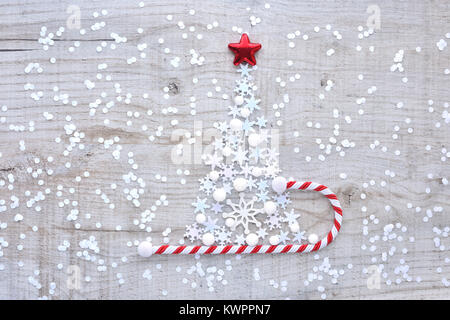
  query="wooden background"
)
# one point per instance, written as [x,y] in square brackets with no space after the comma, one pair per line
[33,272]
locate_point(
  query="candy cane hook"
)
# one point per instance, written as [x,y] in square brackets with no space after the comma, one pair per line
[146,249]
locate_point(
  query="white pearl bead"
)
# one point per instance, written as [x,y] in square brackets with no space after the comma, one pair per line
[145,249]
[208,239]
[245,112]
[240,184]
[226,151]
[279,184]
[252,239]
[294,227]
[230,222]
[239,100]
[270,207]
[313,238]
[236,124]
[200,218]
[274,240]
[214,175]
[254,139]
[219,194]
[257,171]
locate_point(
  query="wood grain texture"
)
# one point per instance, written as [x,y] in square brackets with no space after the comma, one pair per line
[404,25]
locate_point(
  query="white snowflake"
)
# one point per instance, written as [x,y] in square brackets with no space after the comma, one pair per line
[244,213]
[193,232]
[222,236]
[273,221]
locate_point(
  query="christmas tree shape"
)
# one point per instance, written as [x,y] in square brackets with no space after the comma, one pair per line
[248,194]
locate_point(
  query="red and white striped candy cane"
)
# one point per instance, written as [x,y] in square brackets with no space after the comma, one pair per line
[146,249]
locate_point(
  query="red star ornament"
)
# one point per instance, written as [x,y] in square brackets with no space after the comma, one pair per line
[244,50]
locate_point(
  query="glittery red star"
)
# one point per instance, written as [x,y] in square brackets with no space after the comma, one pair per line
[244,50]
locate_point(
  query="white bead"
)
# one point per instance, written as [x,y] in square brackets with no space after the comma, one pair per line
[240,184]
[279,184]
[200,218]
[270,207]
[214,175]
[239,100]
[208,239]
[254,139]
[294,227]
[145,249]
[257,171]
[219,194]
[236,124]
[245,112]
[226,151]
[313,238]
[230,222]
[251,239]
[274,240]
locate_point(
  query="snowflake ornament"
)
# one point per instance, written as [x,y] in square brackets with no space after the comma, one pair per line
[244,214]
[193,232]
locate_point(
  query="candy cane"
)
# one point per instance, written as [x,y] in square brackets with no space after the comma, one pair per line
[146,249]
